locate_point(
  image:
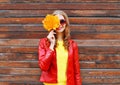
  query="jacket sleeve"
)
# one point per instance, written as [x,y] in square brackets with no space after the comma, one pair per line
[76,65]
[45,56]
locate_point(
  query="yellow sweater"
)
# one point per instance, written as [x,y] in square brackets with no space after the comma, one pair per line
[62,56]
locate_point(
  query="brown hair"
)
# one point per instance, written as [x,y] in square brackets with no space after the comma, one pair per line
[67,29]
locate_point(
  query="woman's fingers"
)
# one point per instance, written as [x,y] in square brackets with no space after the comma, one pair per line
[52,32]
[51,36]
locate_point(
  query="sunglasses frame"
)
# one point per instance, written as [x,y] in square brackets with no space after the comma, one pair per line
[62,22]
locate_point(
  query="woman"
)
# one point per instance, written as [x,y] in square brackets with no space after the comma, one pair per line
[58,55]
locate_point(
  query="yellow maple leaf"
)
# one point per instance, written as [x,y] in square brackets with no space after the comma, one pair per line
[51,22]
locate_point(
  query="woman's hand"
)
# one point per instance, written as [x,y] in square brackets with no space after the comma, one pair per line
[51,38]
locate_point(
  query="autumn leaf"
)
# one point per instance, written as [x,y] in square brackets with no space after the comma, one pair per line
[51,22]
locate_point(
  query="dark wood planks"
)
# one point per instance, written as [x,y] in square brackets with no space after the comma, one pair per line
[95,75]
[73,20]
[74,28]
[83,57]
[78,13]
[78,35]
[35,42]
[55,1]
[43,6]
[83,64]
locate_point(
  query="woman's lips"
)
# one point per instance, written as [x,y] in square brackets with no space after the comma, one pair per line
[58,28]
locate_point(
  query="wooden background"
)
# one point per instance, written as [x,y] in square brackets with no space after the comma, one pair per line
[95,26]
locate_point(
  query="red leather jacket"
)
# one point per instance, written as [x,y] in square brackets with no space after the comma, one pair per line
[47,63]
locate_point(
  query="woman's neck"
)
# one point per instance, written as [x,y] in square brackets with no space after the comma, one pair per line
[60,36]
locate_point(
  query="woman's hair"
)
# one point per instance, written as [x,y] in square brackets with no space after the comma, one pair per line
[67,29]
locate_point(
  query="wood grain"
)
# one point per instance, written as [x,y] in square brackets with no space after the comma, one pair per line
[35,42]
[34,78]
[84,72]
[73,28]
[43,6]
[82,49]
[83,64]
[55,1]
[82,57]
[73,20]
[71,13]
[38,83]
[96,75]
[18,56]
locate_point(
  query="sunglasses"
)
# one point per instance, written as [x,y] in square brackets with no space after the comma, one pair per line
[62,21]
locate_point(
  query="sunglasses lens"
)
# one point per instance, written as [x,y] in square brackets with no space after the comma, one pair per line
[62,21]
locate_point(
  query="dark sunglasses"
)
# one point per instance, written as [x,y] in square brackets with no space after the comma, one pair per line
[62,21]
